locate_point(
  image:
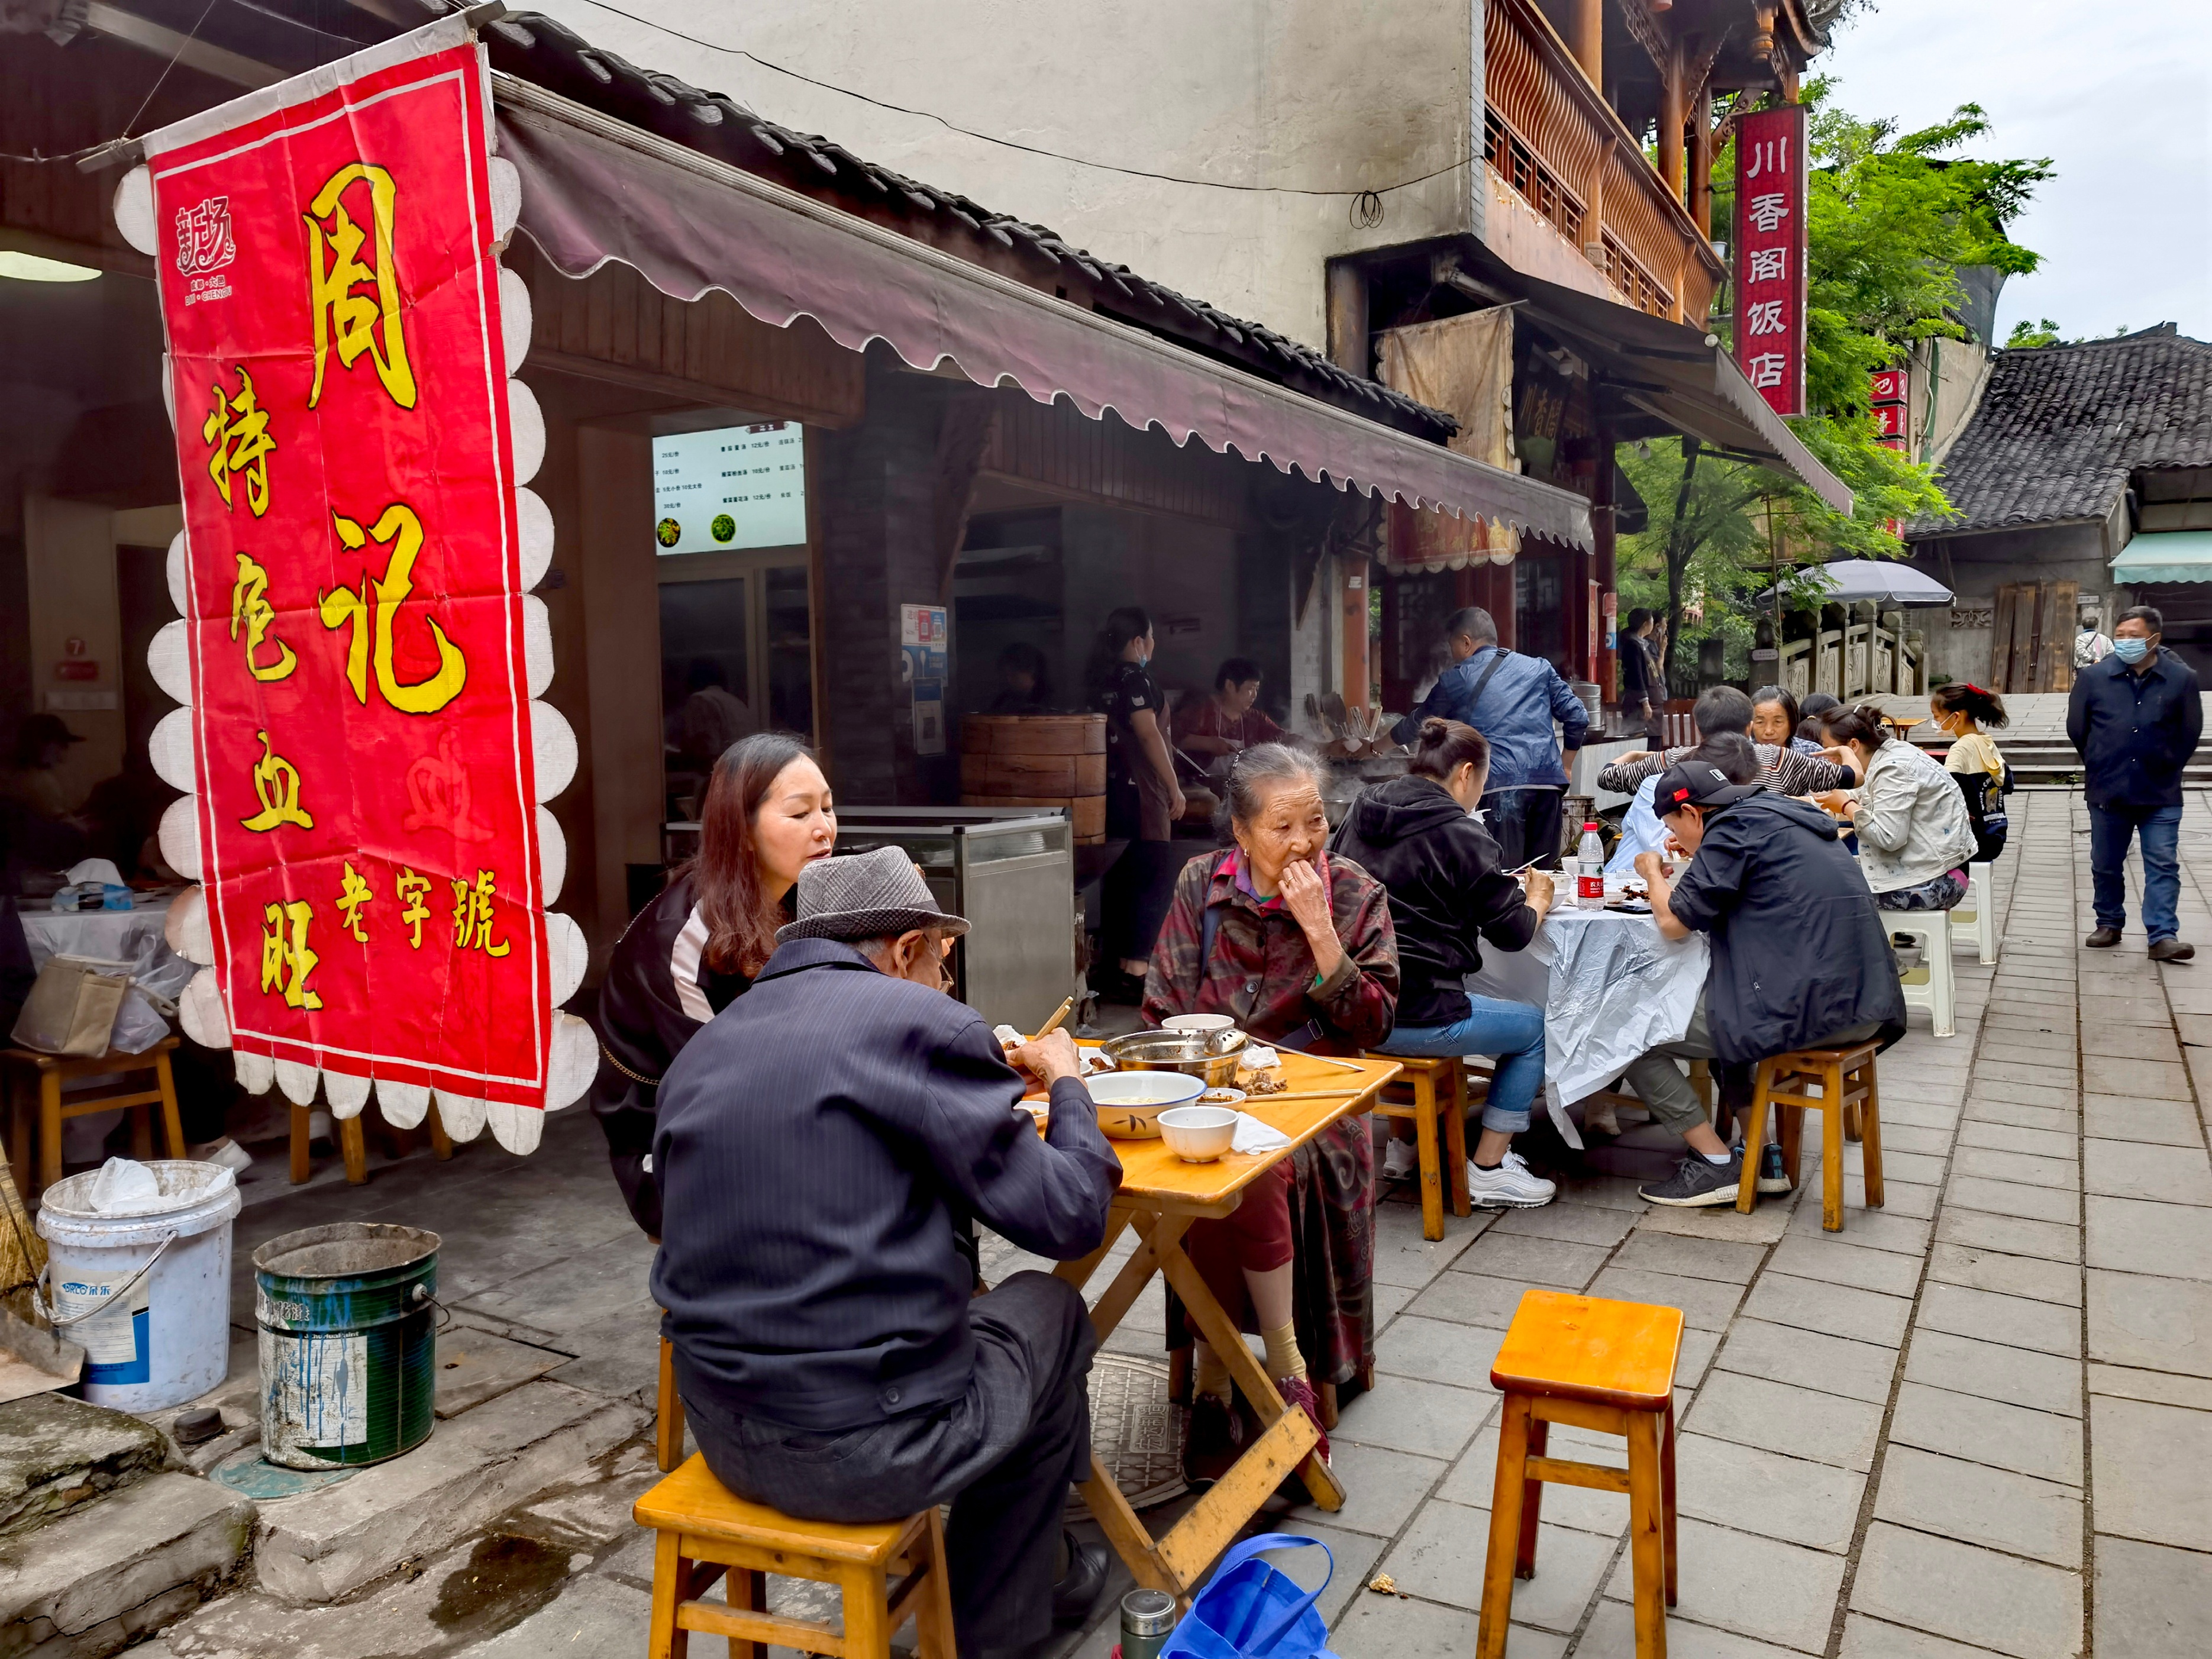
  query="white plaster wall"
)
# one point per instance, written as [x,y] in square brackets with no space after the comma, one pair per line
[1277,93]
[69,549]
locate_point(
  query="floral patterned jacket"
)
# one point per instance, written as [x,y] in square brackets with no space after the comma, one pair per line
[1262,970]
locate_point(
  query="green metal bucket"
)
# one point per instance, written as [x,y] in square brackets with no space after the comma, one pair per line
[349,1354]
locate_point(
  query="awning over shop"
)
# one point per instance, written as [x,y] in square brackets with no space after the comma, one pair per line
[1664,369]
[2167,556]
[595,189]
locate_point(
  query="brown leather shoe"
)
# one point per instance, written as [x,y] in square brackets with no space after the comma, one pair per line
[2171,950]
[2103,940]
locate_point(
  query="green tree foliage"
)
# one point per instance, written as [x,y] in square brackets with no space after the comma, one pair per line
[1891,220]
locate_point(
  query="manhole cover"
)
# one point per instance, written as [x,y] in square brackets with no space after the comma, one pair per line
[250,1472]
[1137,1434]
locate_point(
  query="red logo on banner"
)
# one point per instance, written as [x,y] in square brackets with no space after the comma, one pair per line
[361,712]
[1770,254]
[1887,385]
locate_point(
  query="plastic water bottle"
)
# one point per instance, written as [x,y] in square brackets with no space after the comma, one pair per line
[1589,870]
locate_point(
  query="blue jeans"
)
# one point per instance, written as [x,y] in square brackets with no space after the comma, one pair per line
[1513,1031]
[2111,828]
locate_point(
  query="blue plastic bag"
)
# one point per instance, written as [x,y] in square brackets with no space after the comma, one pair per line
[1251,1610]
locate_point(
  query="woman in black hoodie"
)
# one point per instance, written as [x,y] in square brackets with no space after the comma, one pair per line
[1442,870]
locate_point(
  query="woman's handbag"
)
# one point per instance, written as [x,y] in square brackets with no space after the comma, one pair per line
[1251,1610]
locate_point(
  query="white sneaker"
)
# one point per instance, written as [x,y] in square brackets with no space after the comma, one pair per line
[1511,1185]
[225,1151]
[1401,1161]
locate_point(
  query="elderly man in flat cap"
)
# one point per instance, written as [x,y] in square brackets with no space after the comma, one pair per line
[823,1145]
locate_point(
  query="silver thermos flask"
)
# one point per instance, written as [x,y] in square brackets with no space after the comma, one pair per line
[1147,1617]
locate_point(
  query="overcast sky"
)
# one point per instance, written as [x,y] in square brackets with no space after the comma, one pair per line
[2119,93]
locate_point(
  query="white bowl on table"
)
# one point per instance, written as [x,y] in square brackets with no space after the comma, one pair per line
[1208,1023]
[1198,1134]
[1130,1103]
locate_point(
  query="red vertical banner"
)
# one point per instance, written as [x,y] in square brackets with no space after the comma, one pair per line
[1770,254]
[364,778]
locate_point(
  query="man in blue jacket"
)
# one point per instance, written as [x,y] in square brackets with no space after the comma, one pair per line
[1512,700]
[821,1147]
[2135,718]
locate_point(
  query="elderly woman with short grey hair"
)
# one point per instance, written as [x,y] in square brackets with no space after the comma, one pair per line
[1297,946]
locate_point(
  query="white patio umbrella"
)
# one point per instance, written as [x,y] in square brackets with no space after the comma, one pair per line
[1886,585]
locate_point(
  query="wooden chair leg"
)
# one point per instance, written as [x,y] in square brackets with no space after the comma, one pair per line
[355,1148]
[1832,1150]
[1455,1141]
[142,1132]
[934,1636]
[50,1129]
[1791,1131]
[1328,1410]
[1425,1139]
[663,1640]
[1870,1139]
[1754,1137]
[1179,1376]
[748,1589]
[1505,1529]
[1647,1536]
[303,1160]
[442,1144]
[668,1416]
[1851,1123]
[867,1615]
[173,1126]
[1532,1502]
[1666,1498]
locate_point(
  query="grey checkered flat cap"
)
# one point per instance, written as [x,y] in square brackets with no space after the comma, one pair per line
[878,895]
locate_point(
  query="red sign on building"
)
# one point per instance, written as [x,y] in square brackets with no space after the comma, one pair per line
[1770,254]
[361,716]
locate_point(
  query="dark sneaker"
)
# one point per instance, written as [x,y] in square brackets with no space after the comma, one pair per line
[2171,950]
[1771,1177]
[2103,940]
[1214,1440]
[1298,1392]
[1074,1595]
[1697,1184]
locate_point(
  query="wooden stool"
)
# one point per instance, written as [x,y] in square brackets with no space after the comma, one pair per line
[51,1071]
[1849,1098]
[1608,1367]
[705,1531]
[353,1142]
[1415,1094]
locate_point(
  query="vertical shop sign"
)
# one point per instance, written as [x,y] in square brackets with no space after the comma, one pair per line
[1770,254]
[1887,395]
[364,754]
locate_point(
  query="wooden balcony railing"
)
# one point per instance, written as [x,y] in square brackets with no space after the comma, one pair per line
[1548,134]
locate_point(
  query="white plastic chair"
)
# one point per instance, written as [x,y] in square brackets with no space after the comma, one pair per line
[1976,914]
[1929,985]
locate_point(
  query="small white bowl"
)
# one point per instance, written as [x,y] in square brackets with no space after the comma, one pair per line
[1198,1134]
[1207,1023]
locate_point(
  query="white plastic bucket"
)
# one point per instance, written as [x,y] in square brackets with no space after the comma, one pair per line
[153,1336]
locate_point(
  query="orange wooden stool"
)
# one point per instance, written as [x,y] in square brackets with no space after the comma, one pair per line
[1424,1090]
[1608,1367]
[1849,1098]
[705,1530]
[51,1071]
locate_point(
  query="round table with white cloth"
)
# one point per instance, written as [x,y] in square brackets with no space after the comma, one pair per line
[1611,987]
[111,935]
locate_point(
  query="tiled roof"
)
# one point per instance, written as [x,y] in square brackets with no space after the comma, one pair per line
[2060,427]
[536,48]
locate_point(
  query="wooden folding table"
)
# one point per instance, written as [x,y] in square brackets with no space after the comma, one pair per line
[1160,1196]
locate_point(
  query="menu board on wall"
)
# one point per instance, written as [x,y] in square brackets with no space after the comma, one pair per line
[733,488]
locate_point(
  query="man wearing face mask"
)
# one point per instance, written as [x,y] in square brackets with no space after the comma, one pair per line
[820,1147]
[2135,718]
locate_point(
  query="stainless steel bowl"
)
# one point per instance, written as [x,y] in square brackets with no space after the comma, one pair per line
[1173,1051]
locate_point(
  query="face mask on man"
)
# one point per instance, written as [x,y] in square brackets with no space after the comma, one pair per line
[2131,648]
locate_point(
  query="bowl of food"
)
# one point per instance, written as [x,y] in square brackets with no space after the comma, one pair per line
[1130,1103]
[1208,1023]
[1232,1099]
[1210,1057]
[1198,1134]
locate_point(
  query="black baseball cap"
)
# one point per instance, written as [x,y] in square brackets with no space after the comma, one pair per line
[1697,783]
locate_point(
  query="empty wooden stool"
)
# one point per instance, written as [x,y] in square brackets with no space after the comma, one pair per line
[706,1530]
[1424,1090]
[1608,1367]
[49,1072]
[1848,1097]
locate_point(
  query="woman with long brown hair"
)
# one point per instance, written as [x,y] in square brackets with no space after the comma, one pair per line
[695,948]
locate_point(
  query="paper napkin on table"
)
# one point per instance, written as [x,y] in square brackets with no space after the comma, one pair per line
[1254,1136]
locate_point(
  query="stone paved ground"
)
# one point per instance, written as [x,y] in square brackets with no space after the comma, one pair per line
[1977,1421]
